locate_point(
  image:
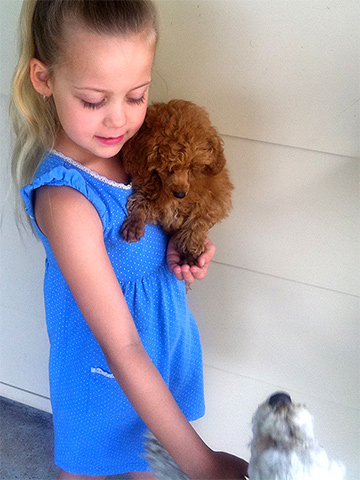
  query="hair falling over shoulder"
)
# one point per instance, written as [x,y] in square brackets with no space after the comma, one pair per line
[32,118]
[42,35]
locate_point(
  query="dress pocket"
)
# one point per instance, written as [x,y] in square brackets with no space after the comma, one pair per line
[106,397]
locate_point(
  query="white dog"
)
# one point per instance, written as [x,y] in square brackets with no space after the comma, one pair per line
[284,446]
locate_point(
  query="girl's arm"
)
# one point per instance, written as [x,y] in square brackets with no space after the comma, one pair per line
[74,230]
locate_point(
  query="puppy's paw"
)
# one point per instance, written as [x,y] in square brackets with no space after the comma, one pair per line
[132,229]
[190,259]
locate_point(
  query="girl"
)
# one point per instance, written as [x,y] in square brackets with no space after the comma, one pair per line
[122,337]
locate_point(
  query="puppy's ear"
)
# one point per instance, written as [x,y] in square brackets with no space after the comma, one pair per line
[217,155]
[134,153]
[139,156]
[152,116]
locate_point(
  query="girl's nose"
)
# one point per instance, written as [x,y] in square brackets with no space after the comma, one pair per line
[115,117]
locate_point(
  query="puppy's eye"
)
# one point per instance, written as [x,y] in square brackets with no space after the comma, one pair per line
[196,169]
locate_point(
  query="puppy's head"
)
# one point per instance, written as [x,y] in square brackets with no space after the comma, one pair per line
[279,421]
[176,145]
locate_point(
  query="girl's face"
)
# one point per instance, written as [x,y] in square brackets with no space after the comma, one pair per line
[100,91]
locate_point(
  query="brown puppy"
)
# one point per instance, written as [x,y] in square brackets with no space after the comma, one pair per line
[178,171]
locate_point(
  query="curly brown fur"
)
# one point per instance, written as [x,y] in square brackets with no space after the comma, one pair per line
[178,171]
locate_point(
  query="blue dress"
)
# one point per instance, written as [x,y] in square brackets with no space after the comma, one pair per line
[97,432]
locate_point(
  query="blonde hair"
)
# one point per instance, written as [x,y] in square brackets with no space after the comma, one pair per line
[42,22]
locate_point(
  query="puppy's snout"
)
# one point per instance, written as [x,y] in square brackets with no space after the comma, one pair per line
[179,194]
[280,399]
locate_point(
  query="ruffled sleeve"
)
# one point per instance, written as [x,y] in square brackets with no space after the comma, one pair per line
[61,176]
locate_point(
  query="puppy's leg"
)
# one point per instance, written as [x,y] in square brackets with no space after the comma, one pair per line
[133,227]
[190,240]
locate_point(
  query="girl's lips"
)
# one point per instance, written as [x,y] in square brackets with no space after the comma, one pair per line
[110,140]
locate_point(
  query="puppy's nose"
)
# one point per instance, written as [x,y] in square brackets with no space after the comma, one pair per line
[179,194]
[279,399]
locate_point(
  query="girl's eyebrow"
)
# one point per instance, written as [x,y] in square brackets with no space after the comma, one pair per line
[100,90]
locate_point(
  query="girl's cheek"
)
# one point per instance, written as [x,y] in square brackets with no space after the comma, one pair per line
[85,120]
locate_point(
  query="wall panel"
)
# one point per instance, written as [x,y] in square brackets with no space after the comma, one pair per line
[280,332]
[295,215]
[276,71]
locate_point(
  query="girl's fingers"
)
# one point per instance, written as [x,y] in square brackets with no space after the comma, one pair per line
[185,272]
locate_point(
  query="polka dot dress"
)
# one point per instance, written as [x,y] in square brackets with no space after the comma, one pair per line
[97,432]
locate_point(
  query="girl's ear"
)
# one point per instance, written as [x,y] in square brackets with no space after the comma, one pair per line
[39,77]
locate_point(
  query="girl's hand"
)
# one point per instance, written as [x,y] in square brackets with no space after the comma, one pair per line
[184,272]
[216,466]
[230,466]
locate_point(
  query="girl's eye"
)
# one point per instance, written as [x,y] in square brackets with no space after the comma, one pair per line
[93,106]
[137,101]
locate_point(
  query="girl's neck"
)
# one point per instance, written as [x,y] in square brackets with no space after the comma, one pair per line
[110,168]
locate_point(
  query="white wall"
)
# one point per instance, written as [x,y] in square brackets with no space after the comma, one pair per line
[280,306]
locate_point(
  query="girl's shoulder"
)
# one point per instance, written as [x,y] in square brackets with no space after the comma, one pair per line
[55,158]
[53,167]
[56,170]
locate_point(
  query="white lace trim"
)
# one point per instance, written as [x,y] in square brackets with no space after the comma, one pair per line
[90,172]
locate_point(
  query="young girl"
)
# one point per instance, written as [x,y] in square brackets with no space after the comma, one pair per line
[125,352]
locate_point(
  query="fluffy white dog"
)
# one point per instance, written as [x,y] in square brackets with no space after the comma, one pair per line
[284,446]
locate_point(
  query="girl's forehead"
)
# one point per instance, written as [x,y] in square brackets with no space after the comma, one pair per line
[104,57]
[80,35]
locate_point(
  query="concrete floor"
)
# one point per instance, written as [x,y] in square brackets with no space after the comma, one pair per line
[26,443]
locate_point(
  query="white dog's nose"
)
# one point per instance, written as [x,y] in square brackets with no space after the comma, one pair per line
[279,399]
